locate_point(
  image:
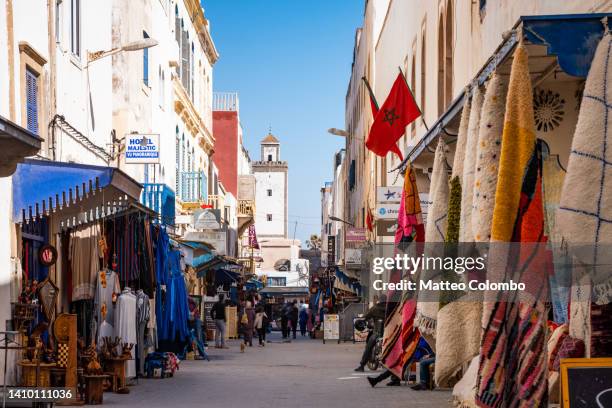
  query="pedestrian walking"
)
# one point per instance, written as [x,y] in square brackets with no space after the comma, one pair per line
[217,313]
[303,319]
[294,317]
[247,323]
[285,316]
[261,323]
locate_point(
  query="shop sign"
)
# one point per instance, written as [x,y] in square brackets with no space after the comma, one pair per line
[253,237]
[47,255]
[141,148]
[352,257]
[331,250]
[217,239]
[387,211]
[208,219]
[354,234]
[331,327]
[389,194]
[386,228]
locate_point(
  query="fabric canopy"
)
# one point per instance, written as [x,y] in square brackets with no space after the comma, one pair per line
[47,185]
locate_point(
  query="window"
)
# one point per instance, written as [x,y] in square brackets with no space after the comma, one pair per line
[277,281]
[75,27]
[226,213]
[351,178]
[191,71]
[162,87]
[269,193]
[177,26]
[145,62]
[412,88]
[58,21]
[269,157]
[445,58]
[31,81]
[269,217]
[423,69]
[178,161]
[185,59]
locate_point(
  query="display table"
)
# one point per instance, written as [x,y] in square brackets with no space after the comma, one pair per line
[115,367]
[29,376]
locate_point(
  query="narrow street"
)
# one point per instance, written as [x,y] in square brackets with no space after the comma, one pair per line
[304,373]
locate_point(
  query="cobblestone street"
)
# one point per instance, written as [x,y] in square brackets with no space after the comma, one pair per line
[304,373]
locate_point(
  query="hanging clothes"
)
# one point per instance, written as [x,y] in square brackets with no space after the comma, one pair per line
[107,291]
[172,308]
[85,258]
[142,320]
[125,325]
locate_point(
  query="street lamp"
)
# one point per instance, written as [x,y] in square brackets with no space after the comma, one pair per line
[334,218]
[131,46]
[338,132]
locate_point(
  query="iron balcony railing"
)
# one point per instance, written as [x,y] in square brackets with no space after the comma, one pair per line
[161,199]
[193,186]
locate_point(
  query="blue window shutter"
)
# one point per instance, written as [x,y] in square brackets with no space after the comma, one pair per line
[32,100]
[178,162]
[145,62]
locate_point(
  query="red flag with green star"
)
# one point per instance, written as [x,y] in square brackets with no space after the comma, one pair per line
[398,111]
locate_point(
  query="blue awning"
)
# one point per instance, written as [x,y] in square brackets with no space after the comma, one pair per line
[41,187]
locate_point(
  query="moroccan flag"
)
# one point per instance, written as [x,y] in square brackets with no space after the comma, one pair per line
[398,111]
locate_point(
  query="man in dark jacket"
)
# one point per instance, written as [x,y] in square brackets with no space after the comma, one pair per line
[217,313]
[295,312]
[285,316]
[376,312]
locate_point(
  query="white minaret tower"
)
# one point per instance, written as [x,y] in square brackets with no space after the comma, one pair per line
[270,190]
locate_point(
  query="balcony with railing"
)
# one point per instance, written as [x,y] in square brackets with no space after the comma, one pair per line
[225,101]
[161,199]
[192,187]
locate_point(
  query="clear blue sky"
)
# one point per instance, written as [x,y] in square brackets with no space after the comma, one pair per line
[290,62]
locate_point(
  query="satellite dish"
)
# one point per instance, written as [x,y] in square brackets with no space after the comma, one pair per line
[282,265]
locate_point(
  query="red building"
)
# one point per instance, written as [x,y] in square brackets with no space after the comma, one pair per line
[228,143]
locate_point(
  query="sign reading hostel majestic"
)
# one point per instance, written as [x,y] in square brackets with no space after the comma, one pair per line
[141,148]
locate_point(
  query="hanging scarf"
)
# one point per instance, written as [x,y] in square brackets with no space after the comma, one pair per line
[438,196]
[512,368]
[487,157]
[400,337]
[410,220]
[469,168]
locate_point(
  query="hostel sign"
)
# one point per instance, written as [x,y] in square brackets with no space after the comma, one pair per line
[141,148]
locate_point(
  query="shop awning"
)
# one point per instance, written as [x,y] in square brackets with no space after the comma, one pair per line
[284,291]
[569,40]
[345,282]
[42,187]
[16,143]
[197,253]
[217,262]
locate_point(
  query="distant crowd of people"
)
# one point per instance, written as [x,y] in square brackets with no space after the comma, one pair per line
[255,319]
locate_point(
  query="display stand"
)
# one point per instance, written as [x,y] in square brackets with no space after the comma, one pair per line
[65,331]
[116,369]
[94,389]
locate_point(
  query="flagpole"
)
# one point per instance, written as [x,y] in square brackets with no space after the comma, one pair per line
[372,96]
[413,98]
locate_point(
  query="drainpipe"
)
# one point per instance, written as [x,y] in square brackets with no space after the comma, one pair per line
[51,147]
